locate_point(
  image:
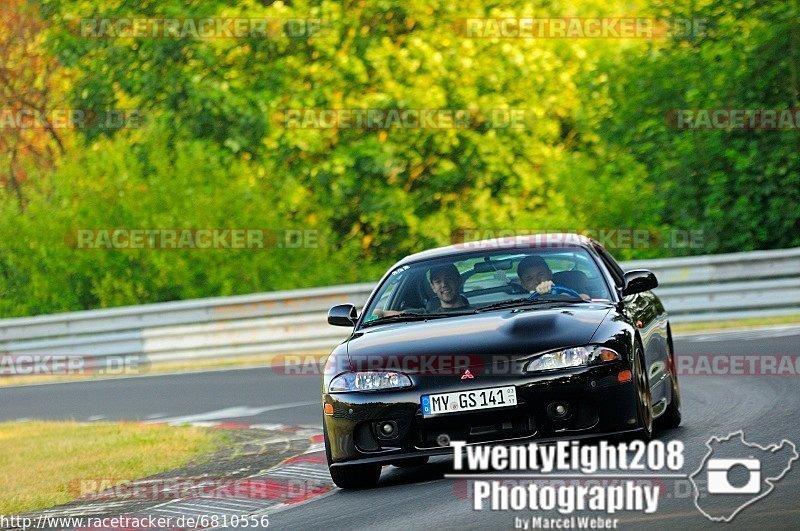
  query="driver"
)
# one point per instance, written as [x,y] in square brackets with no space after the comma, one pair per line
[446,285]
[535,275]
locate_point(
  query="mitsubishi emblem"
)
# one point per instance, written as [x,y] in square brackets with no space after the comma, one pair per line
[467,375]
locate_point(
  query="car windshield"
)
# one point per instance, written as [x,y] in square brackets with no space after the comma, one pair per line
[485,281]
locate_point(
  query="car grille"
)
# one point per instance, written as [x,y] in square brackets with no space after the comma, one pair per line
[474,427]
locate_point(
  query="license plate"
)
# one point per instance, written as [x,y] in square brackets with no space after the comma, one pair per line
[461,401]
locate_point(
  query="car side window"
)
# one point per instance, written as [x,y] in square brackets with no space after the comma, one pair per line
[388,292]
[613,267]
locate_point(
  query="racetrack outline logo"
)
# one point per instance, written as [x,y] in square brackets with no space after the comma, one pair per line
[768,479]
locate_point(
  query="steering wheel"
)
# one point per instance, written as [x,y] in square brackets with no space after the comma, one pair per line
[558,290]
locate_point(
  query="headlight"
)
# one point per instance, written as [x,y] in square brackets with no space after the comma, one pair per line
[572,357]
[368,381]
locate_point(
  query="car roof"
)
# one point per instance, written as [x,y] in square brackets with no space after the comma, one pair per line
[522,242]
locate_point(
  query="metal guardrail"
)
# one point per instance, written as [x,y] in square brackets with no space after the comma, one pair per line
[702,288]
[727,286]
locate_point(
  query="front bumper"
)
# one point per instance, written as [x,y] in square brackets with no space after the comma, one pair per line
[597,404]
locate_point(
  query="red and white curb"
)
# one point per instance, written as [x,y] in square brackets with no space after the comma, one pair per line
[297,480]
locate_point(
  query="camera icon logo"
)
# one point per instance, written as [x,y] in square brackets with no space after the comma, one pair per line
[719,482]
[736,473]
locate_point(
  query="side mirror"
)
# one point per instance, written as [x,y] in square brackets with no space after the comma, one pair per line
[639,280]
[342,315]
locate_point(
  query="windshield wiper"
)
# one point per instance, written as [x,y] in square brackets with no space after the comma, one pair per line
[410,316]
[514,303]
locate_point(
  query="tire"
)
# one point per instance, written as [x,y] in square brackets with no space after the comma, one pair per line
[411,463]
[643,398]
[671,418]
[351,476]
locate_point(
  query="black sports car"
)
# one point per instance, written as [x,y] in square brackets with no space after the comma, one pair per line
[523,339]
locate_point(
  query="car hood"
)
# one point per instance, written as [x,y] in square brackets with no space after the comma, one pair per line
[482,338]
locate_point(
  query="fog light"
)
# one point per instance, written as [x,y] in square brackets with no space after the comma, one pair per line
[387,429]
[558,410]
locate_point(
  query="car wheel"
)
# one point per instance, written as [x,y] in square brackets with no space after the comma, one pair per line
[350,476]
[411,463]
[644,400]
[672,415]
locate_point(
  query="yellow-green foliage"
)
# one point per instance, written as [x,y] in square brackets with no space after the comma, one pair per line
[596,151]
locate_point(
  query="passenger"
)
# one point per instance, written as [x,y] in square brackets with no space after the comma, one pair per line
[446,285]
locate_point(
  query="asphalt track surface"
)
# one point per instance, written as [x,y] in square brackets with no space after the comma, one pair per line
[766,408]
